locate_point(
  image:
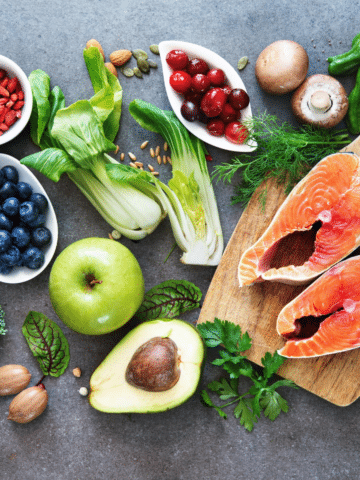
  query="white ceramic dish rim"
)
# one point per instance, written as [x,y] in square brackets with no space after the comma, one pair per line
[14,70]
[175,99]
[24,274]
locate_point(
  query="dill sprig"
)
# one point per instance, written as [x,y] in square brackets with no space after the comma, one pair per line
[284,152]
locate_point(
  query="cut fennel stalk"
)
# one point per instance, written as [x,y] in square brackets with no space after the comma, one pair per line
[189,198]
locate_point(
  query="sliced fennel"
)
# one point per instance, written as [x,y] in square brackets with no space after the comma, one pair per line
[75,140]
[189,198]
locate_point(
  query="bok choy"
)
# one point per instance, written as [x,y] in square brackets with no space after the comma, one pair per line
[189,198]
[76,140]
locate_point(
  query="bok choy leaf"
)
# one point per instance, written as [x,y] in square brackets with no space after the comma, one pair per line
[189,198]
[75,140]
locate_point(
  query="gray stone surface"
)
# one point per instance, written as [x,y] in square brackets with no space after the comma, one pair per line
[71,441]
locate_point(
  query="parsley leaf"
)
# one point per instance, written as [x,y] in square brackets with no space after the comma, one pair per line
[262,396]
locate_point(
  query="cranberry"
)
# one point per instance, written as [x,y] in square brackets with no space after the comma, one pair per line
[213,102]
[200,83]
[239,99]
[190,111]
[192,96]
[216,127]
[229,114]
[180,81]
[235,132]
[177,59]
[216,77]
[227,89]
[197,65]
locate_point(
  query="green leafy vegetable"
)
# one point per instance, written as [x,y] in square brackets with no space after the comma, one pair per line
[47,343]
[75,140]
[262,396]
[3,330]
[189,198]
[283,152]
[169,299]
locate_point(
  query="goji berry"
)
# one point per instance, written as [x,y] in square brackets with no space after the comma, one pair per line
[12,84]
[13,97]
[10,118]
[21,95]
[3,100]
[4,92]
[18,105]
[2,73]
[3,127]
[4,82]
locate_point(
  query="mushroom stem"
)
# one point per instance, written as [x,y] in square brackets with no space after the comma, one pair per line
[320,101]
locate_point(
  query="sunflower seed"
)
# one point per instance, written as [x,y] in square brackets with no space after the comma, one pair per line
[132,165]
[155,173]
[151,168]
[157,151]
[122,156]
[144,144]
[158,158]
[164,159]
[166,147]
[139,164]
[152,152]
[132,156]
[242,63]
[137,72]
[154,49]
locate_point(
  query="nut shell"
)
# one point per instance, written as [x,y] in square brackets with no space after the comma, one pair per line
[111,68]
[13,379]
[120,57]
[281,67]
[301,104]
[28,404]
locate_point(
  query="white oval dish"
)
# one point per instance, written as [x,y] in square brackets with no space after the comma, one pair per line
[214,61]
[13,70]
[23,274]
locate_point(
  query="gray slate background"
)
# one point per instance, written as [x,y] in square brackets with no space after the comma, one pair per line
[70,441]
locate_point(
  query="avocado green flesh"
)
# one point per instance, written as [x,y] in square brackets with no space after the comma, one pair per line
[111,393]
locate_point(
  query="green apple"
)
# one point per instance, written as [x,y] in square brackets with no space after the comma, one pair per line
[142,353]
[96,285]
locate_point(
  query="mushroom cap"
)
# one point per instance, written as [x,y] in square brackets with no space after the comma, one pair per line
[305,112]
[281,67]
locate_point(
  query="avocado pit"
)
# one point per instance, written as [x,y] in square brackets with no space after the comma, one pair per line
[154,367]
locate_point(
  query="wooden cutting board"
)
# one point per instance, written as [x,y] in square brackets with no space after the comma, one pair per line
[255,308]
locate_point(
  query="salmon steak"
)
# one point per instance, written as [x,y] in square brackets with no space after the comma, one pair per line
[324,318]
[317,225]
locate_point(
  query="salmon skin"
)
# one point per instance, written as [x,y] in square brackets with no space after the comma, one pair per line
[317,226]
[324,318]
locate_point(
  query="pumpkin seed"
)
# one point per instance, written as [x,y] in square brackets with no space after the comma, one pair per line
[140,54]
[143,65]
[128,72]
[242,63]
[152,64]
[137,72]
[154,49]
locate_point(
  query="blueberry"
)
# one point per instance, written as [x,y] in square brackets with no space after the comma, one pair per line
[40,201]
[5,222]
[38,222]
[40,237]
[5,269]
[2,177]
[11,257]
[28,211]
[24,190]
[5,240]
[33,258]
[7,189]
[20,237]
[11,206]
[10,173]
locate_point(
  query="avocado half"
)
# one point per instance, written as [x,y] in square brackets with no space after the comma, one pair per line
[110,391]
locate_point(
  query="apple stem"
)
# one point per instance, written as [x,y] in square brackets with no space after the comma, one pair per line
[95,281]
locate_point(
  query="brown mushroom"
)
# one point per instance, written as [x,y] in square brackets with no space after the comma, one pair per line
[281,67]
[321,100]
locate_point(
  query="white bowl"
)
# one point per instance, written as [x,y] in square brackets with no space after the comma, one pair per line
[13,70]
[176,100]
[23,274]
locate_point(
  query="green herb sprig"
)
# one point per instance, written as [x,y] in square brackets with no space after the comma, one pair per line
[262,396]
[3,330]
[284,152]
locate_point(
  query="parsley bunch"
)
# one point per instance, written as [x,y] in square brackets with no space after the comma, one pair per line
[2,322]
[262,396]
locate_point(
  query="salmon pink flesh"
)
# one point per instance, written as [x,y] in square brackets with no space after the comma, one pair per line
[324,318]
[317,226]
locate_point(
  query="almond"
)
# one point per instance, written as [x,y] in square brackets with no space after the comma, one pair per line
[95,43]
[120,57]
[111,68]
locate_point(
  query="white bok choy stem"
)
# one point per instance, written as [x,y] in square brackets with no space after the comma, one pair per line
[189,198]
